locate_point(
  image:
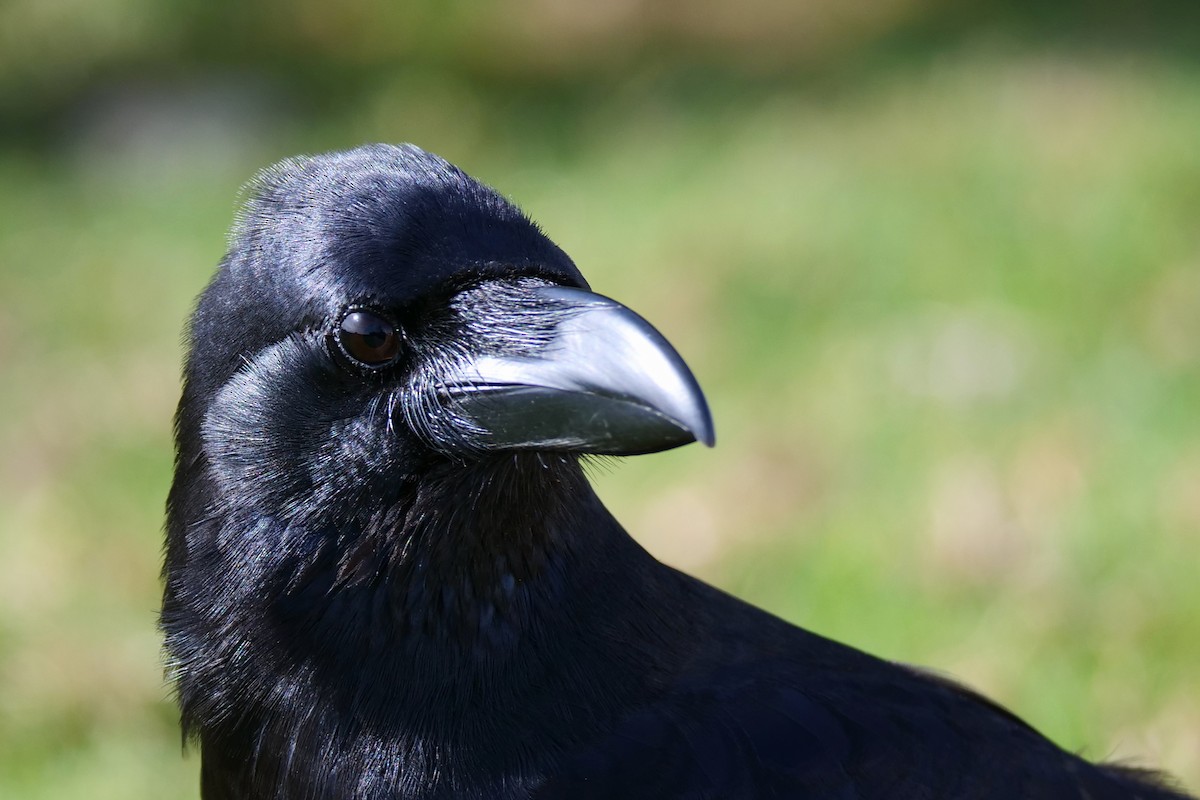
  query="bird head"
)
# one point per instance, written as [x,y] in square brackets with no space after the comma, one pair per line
[381,314]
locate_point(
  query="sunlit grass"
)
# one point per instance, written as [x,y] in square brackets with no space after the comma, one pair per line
[949,323]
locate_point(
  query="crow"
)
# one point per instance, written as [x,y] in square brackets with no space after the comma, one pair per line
[387,576]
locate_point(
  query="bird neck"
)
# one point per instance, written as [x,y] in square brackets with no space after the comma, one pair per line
[480,551]
[468,608]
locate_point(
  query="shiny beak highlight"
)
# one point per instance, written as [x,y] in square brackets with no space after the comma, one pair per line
[601,380]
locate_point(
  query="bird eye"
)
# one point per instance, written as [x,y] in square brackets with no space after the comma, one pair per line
[368,339]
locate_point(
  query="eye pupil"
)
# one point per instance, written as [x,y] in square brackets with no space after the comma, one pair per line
[369,338]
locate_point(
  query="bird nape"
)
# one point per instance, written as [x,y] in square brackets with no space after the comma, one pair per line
[387,576]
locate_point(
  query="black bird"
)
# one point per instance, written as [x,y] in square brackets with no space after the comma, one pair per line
[387,576]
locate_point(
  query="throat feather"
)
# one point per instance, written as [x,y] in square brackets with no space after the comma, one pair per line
[461,555]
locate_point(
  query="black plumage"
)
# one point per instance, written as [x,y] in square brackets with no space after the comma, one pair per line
[387,576]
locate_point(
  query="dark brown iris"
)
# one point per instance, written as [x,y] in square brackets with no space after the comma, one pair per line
[369,338]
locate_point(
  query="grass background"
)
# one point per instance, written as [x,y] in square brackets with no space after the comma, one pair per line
[940,279]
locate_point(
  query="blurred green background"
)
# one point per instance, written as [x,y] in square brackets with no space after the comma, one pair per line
[937,266]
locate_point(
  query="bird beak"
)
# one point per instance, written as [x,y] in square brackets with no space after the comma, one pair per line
[600,379]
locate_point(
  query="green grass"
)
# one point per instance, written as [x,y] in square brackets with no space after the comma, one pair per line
[948,318]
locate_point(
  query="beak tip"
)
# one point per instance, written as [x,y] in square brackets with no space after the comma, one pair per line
[699,419]
[699,424]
